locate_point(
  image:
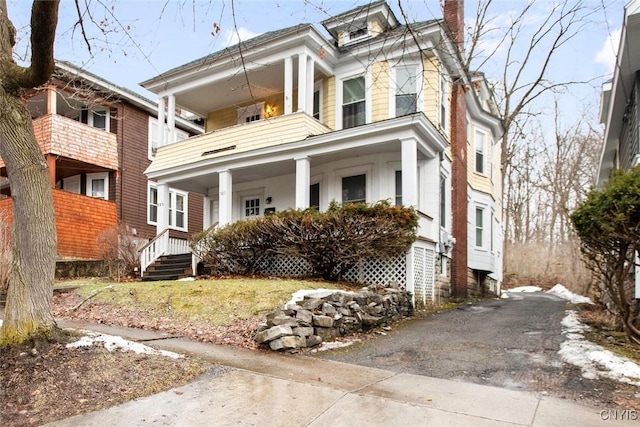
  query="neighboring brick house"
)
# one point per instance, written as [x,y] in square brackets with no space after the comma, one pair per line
[98,139]
[378,111]
[619,110]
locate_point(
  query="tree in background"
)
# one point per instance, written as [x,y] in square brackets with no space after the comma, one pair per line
[28,309]
[608,224]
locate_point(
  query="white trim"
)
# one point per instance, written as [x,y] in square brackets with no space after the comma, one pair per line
[393,85]
[98,176]
[484,138]
[242,196]
[317,86]
[154,136]
[352,171]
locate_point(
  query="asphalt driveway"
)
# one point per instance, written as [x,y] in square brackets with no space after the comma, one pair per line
[509,343]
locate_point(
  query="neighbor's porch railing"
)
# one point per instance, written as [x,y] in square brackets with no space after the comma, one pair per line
[162,244]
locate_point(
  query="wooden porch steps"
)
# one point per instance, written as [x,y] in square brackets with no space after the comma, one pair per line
[169,267]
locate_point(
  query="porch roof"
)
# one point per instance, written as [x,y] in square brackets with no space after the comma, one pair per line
[183,165]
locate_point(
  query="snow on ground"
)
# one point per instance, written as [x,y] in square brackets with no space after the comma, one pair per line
[332,345]
[595,361]
[564,293]
[299,295]
[525,289]
[113,343]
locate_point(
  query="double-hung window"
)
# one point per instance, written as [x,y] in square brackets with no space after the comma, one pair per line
[98,185]
[353,102]
[406,91]
[354,189]
[479,227]
[480,143]
[178,203]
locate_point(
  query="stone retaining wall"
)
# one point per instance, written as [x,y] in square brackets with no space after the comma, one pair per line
[324,315]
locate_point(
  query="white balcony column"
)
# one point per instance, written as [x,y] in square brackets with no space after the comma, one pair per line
[225,197]
[302,81]
[409,158]
[51,100]
[163,208]
[288,85]
[303,179]
[206,212]
[171,119]
[309,88]
[161,121]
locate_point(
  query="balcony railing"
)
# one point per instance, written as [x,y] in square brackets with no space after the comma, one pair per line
[68,138]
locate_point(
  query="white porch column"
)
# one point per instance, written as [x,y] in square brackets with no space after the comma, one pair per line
[288,85]
[409,158]
[206,212]
[310,81]
[224,196]
[161,118]
[163,208]
[171,119]
[302,81]
[303,171]
[51,100]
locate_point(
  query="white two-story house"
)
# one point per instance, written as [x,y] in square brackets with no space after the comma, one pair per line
[295,118]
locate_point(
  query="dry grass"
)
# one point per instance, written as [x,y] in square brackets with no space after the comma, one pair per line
[218,302]
[533,264]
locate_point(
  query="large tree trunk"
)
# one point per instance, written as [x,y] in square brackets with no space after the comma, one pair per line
[28,313]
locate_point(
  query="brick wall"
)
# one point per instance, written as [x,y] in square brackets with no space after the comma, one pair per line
[79,222]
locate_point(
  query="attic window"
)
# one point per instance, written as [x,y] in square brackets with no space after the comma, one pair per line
[360,32]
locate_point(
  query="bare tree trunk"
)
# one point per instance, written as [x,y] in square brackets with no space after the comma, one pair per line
[28,313]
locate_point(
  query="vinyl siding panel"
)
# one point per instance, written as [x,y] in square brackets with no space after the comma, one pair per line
[431,89]
[380,91]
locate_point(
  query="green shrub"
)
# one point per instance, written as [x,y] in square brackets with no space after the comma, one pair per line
[332,242]
[608,224]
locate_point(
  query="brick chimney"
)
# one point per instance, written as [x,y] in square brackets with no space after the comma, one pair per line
[454,20]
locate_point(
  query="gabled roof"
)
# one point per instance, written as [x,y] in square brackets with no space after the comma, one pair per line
[69,70]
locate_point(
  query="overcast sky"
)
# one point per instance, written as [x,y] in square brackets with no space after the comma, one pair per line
[147,37]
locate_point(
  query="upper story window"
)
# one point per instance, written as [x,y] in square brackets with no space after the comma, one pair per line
[406,91]
[154,136]
[355,34]
[98,185]
[251,113]
[353,102]
[97,118]
[480,148]
[444,102]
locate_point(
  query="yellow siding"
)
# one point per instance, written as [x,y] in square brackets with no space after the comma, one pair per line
[380,91]
[477,181]
[226,117]
[245,137]
[375,28]
[329,102]
[431,89]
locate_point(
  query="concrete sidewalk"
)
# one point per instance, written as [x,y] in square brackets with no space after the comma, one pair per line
[269,389]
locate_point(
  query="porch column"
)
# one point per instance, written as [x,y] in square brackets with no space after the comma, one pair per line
[51,100]
[288,85]
[161,117]
[303,171]
[309,91]
[206,212]
[224,196]
[302,81]
[163,208]
[171,119]
[409,158]
[51,164]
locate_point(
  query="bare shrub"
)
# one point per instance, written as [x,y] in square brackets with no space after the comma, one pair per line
[531,264]
[121,248]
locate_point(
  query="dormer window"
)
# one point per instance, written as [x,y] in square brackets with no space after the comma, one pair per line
[358,33]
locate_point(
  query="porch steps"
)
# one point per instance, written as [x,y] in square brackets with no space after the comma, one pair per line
[169,267]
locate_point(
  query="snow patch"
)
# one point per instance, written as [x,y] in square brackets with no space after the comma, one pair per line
[299,295]
[525,289]
[564,293]
[113,343]
[332,345]
[595,361]
[187,279]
